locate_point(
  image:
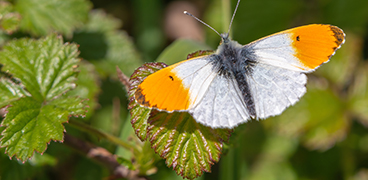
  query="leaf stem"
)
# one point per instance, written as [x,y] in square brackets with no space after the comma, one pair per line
[86,128]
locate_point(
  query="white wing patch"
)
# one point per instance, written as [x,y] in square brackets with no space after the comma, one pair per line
[274,89]
[196,75]
[222,105]
[277,50]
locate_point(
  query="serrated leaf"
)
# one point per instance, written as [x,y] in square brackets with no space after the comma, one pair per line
[179,50]
[9,20]
[32,124]
[106,46]
[138,113]
[189,147]
[45,69]
[40,17]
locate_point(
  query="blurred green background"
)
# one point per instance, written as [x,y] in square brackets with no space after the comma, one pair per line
[323,136]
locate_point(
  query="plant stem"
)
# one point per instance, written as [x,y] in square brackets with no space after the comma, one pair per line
[86,128]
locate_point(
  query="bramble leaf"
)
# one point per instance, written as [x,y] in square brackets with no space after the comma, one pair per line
[46,70]
[40,17]
[189,147]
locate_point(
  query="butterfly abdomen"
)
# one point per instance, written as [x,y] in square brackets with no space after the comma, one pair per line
[231,62]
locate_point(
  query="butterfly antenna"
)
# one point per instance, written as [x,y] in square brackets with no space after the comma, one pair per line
[231,22]
[187,13]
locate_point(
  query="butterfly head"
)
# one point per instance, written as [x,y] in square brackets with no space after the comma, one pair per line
[225,37]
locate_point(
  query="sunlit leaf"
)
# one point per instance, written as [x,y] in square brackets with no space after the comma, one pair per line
[189,147]
[45,69]
[32,124]
[40,17]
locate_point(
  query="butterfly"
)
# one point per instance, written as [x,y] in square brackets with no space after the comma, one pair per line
[241,82]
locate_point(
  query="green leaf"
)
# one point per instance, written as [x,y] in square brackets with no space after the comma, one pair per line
[189,147]
[9,20]
[106,46]
[10,91]
[31,124]
[138,113]
[40,17]
[179,50]
[46,69]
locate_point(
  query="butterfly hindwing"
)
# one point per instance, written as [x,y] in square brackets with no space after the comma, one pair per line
[273,89]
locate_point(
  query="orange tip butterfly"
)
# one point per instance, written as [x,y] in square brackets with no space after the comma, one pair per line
[240,82]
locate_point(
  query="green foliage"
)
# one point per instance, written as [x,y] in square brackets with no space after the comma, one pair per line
[46,69]
[40,17]
[44,85]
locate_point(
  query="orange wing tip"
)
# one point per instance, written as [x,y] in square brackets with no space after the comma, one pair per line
[315,44]
[163,90]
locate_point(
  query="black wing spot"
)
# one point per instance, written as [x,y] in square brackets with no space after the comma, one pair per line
[298,38]
[172,79]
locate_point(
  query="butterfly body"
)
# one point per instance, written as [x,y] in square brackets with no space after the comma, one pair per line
[237,83]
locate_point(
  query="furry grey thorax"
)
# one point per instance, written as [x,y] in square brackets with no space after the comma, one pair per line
[234,61]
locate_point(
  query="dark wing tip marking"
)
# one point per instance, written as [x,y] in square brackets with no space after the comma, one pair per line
[140,98]
[338,34]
